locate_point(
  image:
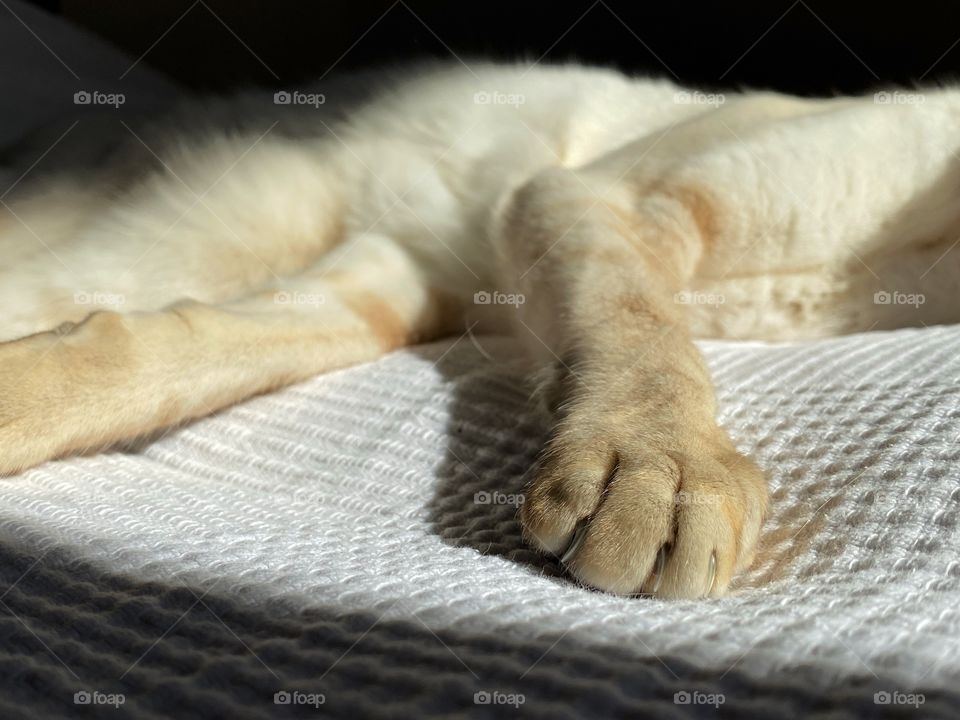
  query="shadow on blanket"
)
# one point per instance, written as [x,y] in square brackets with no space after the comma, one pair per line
[481,480]
[170,649]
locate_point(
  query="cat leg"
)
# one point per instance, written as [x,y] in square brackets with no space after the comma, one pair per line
[116,376]
[639,488]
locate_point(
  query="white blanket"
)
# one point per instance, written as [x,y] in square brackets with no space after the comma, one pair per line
[351,501]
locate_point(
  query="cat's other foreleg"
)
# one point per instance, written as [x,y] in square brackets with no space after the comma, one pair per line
[116,376]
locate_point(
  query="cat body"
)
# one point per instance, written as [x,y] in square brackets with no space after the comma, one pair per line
[241,245]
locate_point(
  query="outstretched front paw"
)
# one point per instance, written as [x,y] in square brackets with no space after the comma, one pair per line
[645,501]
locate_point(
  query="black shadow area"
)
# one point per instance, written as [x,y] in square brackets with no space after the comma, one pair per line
[67,626]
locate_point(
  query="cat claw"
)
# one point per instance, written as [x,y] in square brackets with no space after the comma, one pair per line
[579,535]
[713,572]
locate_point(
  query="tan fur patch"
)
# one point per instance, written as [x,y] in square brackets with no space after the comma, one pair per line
[384,322]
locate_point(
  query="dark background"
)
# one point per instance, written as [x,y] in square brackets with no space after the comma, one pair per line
[802,46]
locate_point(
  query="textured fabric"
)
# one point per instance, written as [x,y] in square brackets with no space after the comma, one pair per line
[334,538]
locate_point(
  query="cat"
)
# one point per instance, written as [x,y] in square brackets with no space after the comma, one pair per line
[605,221]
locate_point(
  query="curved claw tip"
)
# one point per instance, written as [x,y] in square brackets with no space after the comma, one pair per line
[575,542]
[713,571]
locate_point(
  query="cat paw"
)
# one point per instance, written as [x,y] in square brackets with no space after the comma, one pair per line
[635,508]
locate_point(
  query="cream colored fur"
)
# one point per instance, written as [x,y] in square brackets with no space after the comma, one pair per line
[230,263]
